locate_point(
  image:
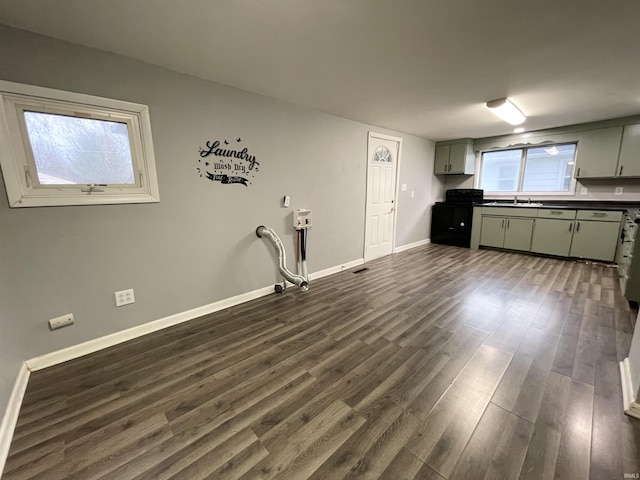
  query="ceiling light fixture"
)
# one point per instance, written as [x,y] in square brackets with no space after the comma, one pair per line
[507,111]
[552,151]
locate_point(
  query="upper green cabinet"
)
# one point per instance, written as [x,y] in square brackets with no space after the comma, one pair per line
[455,157]
[609,152]
[597,154]
[629,159]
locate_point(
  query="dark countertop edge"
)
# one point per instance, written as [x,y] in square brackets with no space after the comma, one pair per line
[571,205]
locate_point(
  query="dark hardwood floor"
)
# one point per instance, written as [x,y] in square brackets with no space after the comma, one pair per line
[434,363]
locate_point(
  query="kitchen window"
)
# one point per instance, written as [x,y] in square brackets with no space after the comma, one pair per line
[531,170]
[63,148]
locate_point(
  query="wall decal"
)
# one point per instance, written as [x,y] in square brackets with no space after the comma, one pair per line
[231,165]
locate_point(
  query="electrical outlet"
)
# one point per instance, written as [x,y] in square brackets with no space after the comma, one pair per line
[583,190]
[403,187]
[618,190]
[413,193]
[124,297]
[61,321]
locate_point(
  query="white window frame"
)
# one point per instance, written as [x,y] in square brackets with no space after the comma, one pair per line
[16,158]
[523,193]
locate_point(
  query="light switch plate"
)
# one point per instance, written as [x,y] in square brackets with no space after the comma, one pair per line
[619,190]
[583,190]
[403,187]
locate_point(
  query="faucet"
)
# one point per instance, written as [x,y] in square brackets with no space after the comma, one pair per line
[529,200]
[515,199]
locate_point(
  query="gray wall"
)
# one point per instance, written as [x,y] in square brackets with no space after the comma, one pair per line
[197,245]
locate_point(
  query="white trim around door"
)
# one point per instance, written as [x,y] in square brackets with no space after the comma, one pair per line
[383,222]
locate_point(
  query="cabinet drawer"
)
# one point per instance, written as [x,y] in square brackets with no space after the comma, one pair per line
[602,215]
[549,213]
[510,211]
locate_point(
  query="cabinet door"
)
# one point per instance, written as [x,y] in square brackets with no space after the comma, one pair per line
[595,240]
[517,234]
[441,164]
[492,234]
[457,158]
[598,151]
[552,237]
[629,161]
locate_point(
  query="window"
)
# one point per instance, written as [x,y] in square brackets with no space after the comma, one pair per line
[532,170]
[62,148]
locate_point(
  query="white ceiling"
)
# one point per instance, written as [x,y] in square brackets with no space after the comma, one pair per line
[424,67]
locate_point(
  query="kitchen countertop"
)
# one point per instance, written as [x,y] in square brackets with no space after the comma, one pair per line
[630,207]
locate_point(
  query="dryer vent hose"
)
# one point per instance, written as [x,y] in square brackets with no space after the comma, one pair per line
[272,236]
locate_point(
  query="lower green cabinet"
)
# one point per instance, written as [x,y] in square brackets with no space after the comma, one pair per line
[506,232]
[517,235]
[595,240]
[591,234]
[492,234]
[552,236]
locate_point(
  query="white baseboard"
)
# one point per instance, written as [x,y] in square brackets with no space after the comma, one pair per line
[91,346]
[337,269]
[75,351]
[412,245]
[10,417]
[629,400]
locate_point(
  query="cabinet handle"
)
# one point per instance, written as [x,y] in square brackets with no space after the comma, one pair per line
[571,227]
[598,214]
[502,226]
[508,224]
[555,212]
[578,227]
[621,168]
[578,174]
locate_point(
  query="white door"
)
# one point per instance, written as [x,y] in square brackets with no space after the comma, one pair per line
[383,153]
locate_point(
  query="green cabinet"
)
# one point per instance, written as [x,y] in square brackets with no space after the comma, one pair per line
[595,240]
[597,154]
[455,157]
[593,234]
[517,235]
[629,159]
[492,233]
[562,232]
[441,163]
[506,232]
[628,270]
[596,235]
[552,236]
[609,152]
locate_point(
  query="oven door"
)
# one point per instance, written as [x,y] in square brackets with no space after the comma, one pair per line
[451,224]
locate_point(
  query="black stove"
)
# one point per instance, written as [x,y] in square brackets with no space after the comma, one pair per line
[451,219]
